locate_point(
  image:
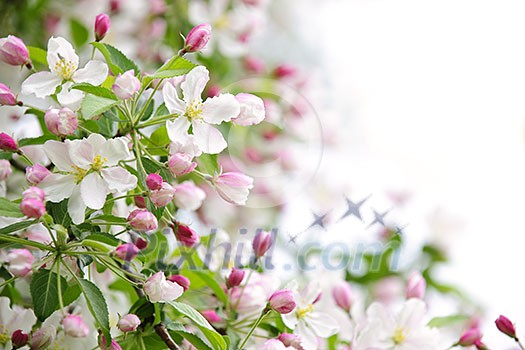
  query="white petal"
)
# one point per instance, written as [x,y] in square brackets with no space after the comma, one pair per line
[178,129]
[115,150]
[57,186]
[308,337]
[21,319]
[94,190]
[172,100]
[59,48]
[76,207]
[97,141]
[81,153]
[58,153]
[220,109]
[412,314]
[94,73]
[119,179]
[290,320]
[311,292]
[322,324]
[70,98]
[208,138]
[41,84]
[194,84]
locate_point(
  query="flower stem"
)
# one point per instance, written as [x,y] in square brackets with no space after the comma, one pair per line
[59,286]
[520,344]
[254,326]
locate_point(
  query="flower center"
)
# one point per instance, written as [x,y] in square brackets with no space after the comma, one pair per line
[4,337]
[222,22]
[194,110]
[98,162]
[65,68]
[79,173]
[302,312]
[399,336]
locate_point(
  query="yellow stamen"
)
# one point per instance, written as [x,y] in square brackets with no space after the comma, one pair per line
[305,311]
[65,68]
[98,162]
[79,173]
[399,336]
[194,110]
[4,338]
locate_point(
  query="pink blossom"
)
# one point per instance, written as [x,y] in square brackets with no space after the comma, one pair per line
[61,121]
[198,37]
[235,278]
[128,323]
[282,301]
[20,262]
[182,281]
[416,286]
[158,289]
[74,326]
[102,25]
[33,208]
[154,182]
[7,143]
[261,243]
[189,196]
[36,173]
[343,295]
[163,196]
[126,251]
[126,85]
[5,169]
[181,164]
[13,51]
[233,187]
[186,235]
[252,110]
[142,220]
[7,96]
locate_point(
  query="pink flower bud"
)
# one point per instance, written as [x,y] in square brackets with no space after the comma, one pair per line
[7,143]
[112,346]
[7,96]
[470,337]
[5,169]
[284,71]
[272,344]
[75,327]
[34,193]
[142,220]
[182,281]
[213,90]
[181,164]
[13,51]
[235,278]
[102,25]
[126,251]
[261,243]
[197,38]
[128,323]
[61,122]
[233,187]
[154,182]
[211,316]
[254,65]
[138,240]
[289,339]
[43,338]
[163,196]
[252,110]
[126,85]
[189,196]
[343,295]
[19,338]
[20,262]
[186,235]
[282,301]
[158,289]
[36,173]
[140,201]
[33,208]
[505,326]
[416,286]
[480,346]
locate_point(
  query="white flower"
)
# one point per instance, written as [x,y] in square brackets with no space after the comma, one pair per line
[405,331]
[307,322]
[12,320]
[63,66]
[200,115]
[160,290]
[88,172]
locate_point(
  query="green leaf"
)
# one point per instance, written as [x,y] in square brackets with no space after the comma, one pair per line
[159,137]
[79,33]
[207,279]
[37,55]
[111,218]
[97,306]
[107,126]
[44,293]
[9,209]
[162,110]
[94,105]
[174,67]
[149,110]
[192,338]
[216,340]
[447,320]
[208,163]
[118,62]
[105,238]
[95,90]
[59,212]
[17,226]
[71,293]
[36,140]
[152,167]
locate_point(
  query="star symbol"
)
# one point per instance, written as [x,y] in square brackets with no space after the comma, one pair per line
[293,238]
[399,230]
[318,221]
[378,218]
[353,208]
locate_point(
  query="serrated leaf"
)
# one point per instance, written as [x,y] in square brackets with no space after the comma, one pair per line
[208,280]
[95,90]
[159,137]
[36,140]
[111,218]
[97,306]
[59,212]
[9,209]
[174,67]
[44,293]
[95,105]
[107,126]
[79,33]
[37,55]
[71,294]
[118,62]
[216,340]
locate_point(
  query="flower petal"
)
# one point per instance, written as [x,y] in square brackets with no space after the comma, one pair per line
[57,186]
[59,49]
[220,109]
[412,314]
[41,84]
[194,84]
[94,190]
[58,153]
[81,153]
[97,141]
[70,98]
[208,138]
[115,150]
[76,207]
[94,73]
[172,100]
[322,324]
[22,319]
[119,179]
[178,129]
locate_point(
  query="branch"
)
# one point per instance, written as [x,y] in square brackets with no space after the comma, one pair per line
[165,336]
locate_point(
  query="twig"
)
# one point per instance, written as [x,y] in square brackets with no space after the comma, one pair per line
[165,336]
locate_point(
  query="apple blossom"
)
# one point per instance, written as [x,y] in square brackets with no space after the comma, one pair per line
[102,25]
[189,196]
[233,187]
[36,173]
[7,96]
[162,196]
[186,235]
[20,262]
[74,326]
[290,339]
[126,85]
[343,295]
[235,278]
[506,326]
[181,164]
[470,337]
[159,290]
[43,337]
[261,243]
[140,202]
[154,181]
[128,323]
[32,207]
[273,344]
[13,320]
[142,220]
[7,143]
[211,316]
[252,110]
[416,286]
[282,301]
[33,193]
[112,346]
[138,241]
[182,281]
[89,171]
[61,121]
[197,38]
[192,111]
[126,251]
[5,169]
[19,339]
[13,51]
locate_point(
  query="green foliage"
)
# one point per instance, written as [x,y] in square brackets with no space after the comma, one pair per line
[37,55]
[174,67]
[95,90]
[447,320]
[97,305]
[118,62]
[17,226]
[93,105]
[79,33]
[44,293]
[9,209]
[59,212]
[36,140]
